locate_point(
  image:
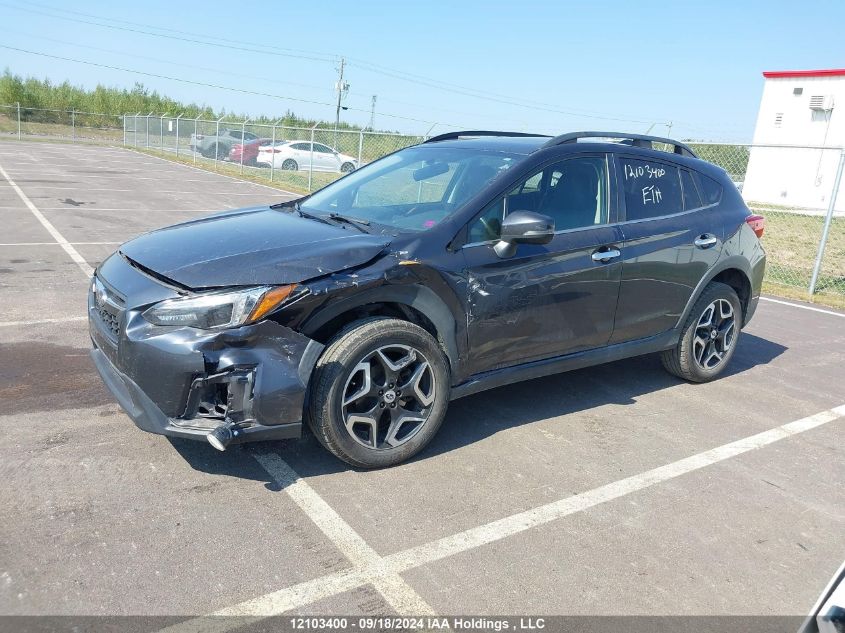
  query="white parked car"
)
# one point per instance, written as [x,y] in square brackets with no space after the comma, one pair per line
[293,155]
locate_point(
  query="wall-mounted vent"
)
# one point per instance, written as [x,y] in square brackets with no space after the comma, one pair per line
[797,91]
[821,102]
[779,119]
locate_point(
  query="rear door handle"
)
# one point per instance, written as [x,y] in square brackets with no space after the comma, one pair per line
[606,256]
[705,241]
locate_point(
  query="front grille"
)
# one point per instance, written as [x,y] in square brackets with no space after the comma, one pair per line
[109,307]
[110,321]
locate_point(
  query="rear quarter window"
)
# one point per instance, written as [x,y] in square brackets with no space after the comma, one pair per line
[651,188]
[711,191]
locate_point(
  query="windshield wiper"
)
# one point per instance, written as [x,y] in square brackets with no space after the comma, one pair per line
[298,210]
[358,223]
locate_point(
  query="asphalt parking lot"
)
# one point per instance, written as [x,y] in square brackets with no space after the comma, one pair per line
[617,489]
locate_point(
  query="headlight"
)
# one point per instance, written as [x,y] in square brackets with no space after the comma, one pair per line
[219,309]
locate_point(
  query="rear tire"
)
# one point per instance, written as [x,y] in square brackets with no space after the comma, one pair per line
[379,392]
[289,164]
[709,336]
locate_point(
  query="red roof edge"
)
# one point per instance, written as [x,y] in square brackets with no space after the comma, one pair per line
[831,72]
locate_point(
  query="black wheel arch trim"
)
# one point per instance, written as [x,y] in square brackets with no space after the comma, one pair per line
[420,298]
[735,262]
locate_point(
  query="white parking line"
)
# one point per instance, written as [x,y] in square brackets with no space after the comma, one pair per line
[803,307]
[41,321]
[57,244]
[305,593]
[195,193]
[68,248]
[395,590]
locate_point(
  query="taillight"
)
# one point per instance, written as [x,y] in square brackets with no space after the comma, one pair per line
[757,224]
[272,150]
[237,148]
[199,137]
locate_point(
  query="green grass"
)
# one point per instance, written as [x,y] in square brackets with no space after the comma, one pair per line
[82,132]
[791,241]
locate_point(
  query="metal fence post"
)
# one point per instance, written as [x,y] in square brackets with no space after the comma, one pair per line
[272,155]
[148,129]
[136,129]
[124,130]
[311,160]
[827,220]
[243,142]
[177,133]
[360,147]
[73,125]
[196,131]
[161,131]
[217,141]
[18,103]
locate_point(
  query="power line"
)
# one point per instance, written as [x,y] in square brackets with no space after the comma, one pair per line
[211,85]
[331,58]
[323,59]
[395,74]
[165,61]
[162,28]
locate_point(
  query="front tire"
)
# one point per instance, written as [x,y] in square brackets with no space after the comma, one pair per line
[709,337]
[347,168]
[289,164]
[379,392]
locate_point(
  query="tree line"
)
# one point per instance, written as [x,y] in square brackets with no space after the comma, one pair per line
[35,94]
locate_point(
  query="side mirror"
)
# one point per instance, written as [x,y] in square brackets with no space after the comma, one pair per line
[523,227]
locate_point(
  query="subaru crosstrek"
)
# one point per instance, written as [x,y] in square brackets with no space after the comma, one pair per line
[470,261]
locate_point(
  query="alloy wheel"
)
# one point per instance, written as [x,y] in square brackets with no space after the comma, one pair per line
[388,397]
[714,334]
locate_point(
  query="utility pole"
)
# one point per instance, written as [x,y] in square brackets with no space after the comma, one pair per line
[342,89]
[373,114]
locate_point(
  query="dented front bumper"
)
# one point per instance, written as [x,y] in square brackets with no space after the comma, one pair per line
[186,382]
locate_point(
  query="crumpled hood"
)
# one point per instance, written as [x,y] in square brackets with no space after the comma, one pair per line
[251,246]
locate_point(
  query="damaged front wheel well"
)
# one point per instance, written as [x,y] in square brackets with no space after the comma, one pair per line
[383,309]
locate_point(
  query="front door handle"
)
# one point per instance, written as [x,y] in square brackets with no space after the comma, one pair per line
[705,241]
[606,256]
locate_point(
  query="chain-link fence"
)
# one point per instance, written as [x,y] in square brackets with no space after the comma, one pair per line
[298,157]
[797,189]
[73,125]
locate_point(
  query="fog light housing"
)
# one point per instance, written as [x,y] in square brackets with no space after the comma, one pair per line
[220,437]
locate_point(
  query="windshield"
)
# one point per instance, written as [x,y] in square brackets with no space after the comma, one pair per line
[413,189]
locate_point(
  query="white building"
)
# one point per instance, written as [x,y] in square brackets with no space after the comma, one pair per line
[802,107]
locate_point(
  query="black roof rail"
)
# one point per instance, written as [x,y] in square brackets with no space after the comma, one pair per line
[453,135]
[637,140]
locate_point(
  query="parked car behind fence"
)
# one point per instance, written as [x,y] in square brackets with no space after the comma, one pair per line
[294,155]
[219,146]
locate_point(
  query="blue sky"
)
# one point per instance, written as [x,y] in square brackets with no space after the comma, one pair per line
[545,66]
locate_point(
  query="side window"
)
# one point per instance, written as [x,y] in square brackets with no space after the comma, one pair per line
[235,134]
[322,148]
[572,192]
[302,147]
[691,198]
[651,188]
[711,191]
[249,136]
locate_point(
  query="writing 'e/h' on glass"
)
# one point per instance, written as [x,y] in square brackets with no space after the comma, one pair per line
[652,195]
